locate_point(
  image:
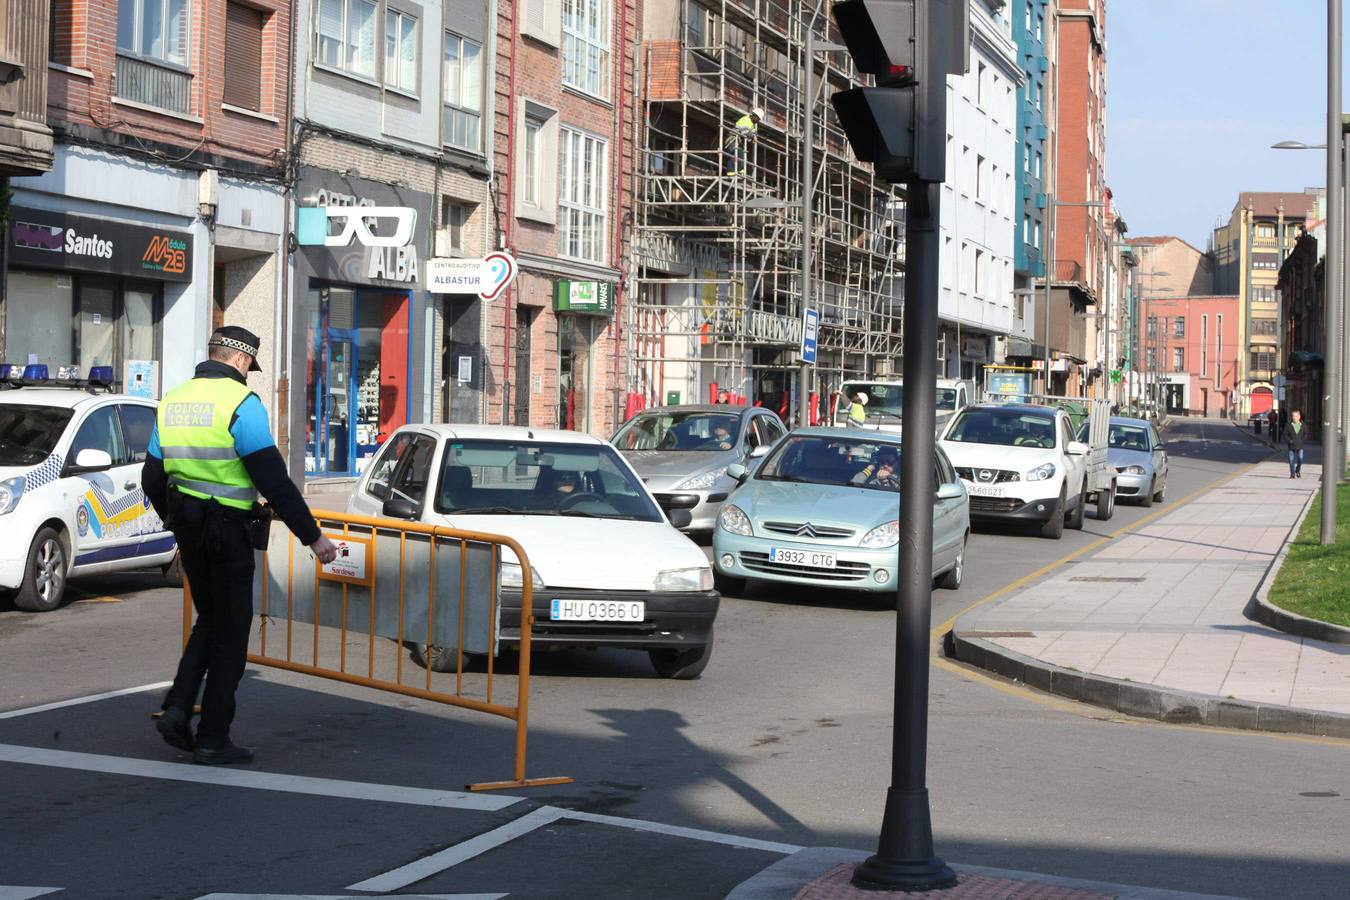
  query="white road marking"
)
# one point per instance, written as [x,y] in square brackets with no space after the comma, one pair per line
[19,892]
[341,897]
[264,781]
[695,834]
[106,695]
[438,862]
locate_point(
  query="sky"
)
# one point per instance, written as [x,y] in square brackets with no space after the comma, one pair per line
[1197,91]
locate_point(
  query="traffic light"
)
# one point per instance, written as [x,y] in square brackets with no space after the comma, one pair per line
[909,47]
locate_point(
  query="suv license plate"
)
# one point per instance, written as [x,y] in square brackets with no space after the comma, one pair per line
[597,610]
[813,558]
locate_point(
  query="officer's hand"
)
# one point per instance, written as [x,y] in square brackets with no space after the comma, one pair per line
[324,549]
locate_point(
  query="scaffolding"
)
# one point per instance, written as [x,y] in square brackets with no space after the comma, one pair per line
[716,281]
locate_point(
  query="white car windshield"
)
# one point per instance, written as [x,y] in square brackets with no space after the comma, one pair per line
[679,431]
[531,478]
[28,434]
[1005,428]
[884,400]
[814,459]
[946,398]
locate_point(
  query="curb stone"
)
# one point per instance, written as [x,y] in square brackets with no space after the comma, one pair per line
[785,878]
[1262,610]
[1146,700]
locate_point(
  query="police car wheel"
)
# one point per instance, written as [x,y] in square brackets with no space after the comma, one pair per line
[44,578]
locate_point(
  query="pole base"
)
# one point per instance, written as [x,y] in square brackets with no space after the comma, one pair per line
[877,874]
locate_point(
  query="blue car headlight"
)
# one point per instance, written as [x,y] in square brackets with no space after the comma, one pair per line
[11,489]
[884,535]
[733,521]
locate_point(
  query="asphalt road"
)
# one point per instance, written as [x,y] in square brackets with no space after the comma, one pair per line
[785,738]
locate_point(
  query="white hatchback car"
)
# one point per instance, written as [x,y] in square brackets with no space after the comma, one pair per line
[71,501]
[610,569]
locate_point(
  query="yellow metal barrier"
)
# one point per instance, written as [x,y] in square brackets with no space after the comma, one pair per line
[306,595]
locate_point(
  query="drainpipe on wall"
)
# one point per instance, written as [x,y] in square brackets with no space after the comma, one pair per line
[509,294]
[617,388]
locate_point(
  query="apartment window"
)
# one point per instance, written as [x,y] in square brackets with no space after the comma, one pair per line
[1040,26]
[1037,231]
[1218,347]
[582,179]
[400,51]
[981,276]
[1179,327]
[243,56]
[462,84]
[451,239]
[1178,359]
[1026,158]
[1263,362]
[979,85]
[530,179]
[1038,163]
[1026,229]
[1151,358]
[156,29]
[1152,326]
[1204,345]
[346,36]
[981,187]
[1265,231]
[1028,21]
[585,49]
[536,175]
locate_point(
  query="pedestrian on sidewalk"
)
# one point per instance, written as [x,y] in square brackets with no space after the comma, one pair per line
[1284,421]
[1273,425]
[211,453]
[1293,439]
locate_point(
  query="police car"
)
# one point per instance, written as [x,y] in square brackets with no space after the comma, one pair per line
[71,501]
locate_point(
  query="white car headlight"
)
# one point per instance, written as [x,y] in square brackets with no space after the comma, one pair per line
[697,579]
[733,521]
[1042,473]
[1134,470]
[11,489]
[886,535]
[511,576]
[701,482]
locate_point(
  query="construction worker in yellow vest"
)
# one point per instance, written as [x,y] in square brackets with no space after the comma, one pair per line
[745,126]
[210,455]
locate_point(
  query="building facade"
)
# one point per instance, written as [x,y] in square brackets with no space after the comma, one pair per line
[1249,250]
[163,212]
[1032,28]
[1191,350]
[405,132]
[563,108]
[1171,267]
[979,198]
[1304,325]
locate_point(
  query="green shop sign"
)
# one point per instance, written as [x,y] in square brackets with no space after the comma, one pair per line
[592,298]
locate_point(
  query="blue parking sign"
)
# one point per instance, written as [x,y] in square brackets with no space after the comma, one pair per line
[810,329]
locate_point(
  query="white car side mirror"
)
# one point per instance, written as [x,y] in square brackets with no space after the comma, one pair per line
[92,460]
[760,451]
[1076,448]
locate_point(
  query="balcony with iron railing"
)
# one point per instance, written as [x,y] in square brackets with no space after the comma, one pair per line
[152,82]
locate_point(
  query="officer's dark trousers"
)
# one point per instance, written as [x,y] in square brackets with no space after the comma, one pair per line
[218,562]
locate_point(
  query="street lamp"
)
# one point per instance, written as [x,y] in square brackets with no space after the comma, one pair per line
[1053,205]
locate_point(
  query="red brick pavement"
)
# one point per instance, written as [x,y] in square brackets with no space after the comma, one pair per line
[834,885]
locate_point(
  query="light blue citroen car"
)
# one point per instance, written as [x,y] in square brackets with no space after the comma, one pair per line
[821,509]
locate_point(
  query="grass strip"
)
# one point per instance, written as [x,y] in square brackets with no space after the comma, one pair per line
[1314,580]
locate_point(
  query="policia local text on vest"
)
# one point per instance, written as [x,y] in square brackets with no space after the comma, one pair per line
[210,456]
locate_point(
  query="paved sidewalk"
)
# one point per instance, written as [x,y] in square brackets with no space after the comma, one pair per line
[1162,608]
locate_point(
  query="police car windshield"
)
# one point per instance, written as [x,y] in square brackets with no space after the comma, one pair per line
[29,433]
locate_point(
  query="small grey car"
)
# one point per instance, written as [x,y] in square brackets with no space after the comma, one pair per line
[1135,450]
[682,452]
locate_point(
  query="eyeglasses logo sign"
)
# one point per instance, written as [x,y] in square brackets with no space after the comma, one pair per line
[362,223]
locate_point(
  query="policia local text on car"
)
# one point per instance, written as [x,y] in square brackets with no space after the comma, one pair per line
[210,455]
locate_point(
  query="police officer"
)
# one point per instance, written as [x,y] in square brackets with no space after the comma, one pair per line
[210,455]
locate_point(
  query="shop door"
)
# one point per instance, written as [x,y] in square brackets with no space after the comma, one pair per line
[524,319]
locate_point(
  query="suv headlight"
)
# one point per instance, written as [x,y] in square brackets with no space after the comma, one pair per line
[697,579]
[733,521]
[885,535]
[511,576]
[1134,470]
[1042,473]
[11,489]
[701,482]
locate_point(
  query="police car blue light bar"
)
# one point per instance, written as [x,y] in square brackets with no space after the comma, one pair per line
[35,372]
[101,375]
[11,371]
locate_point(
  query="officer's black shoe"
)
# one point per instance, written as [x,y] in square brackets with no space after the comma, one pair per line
[230,754]
[174,727]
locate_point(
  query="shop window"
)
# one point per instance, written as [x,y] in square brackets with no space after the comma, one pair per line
[400,51]
[38,311]
[345,36]
[462,86]
[96,326]
[574,372]
[243,56]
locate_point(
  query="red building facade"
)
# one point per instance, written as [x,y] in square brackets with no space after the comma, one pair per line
[1193,346]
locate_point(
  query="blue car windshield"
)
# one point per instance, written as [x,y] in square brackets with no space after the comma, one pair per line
[845,462]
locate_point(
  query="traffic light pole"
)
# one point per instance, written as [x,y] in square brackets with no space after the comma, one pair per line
[905,859]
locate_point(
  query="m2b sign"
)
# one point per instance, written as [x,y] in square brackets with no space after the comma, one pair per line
[810,330]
